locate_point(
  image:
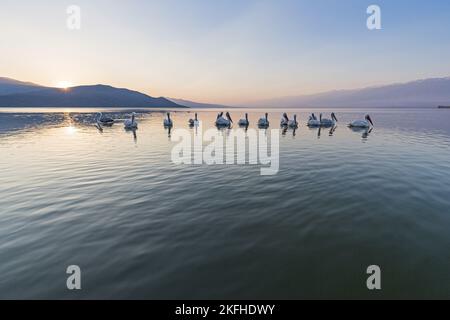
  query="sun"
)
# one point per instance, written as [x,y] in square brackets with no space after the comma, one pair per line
[64,85]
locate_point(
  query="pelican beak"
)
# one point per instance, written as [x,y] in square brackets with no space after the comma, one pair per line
[229,117]
[334,117]
[370,120]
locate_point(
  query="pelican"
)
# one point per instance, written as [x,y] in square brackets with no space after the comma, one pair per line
[167,121]
[313,121]
[194,122]
[284,120]
[362,123]
[244,122]
[329,122]
[264,122]
[131,123]
[102,120]
[223,122]
[293,123]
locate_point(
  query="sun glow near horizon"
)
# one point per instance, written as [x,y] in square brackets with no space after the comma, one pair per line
[63,84]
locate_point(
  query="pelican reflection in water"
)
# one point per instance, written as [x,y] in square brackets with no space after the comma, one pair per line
[99,127]
[365,132]
[332,130]
[169,131]
[286,129]
[134,132]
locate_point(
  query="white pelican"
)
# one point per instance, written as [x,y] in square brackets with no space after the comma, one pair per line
[284,120]
[362,123]
[103,120]
[244,122]
[264,122]
[167,121]
[293,123]
[131,123]
[329,122]
[222,122]
[313,121]
[194,122]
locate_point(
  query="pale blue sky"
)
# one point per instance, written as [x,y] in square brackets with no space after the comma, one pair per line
[225,51]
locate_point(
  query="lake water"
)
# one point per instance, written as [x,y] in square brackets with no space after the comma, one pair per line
[140,226]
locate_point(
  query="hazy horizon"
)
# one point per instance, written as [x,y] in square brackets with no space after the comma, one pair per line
[254,103]
[226,52]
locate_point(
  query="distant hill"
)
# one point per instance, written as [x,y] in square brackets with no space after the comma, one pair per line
[192,104]
[11,86]
[20,94]
[421,93]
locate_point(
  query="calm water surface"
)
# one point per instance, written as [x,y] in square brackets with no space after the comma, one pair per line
[142,227]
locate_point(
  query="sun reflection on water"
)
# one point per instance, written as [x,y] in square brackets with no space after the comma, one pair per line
[71,130]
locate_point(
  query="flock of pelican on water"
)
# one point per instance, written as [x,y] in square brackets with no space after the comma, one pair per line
[226,121]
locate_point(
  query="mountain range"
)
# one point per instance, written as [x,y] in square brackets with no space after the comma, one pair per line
[432,92]
[421,93]
[11,86]
[15,93]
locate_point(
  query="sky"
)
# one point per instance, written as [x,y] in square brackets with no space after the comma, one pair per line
[224,51]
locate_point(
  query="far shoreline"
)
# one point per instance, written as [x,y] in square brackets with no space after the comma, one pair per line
[4,110]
